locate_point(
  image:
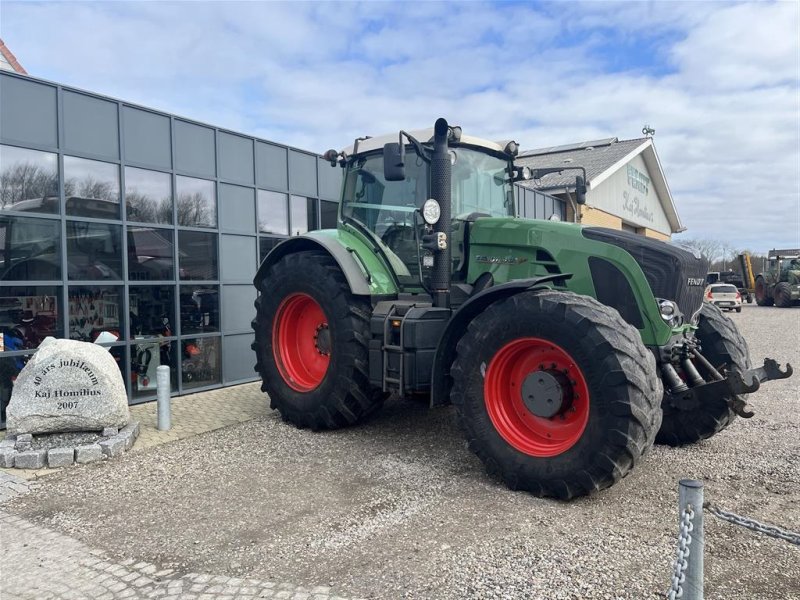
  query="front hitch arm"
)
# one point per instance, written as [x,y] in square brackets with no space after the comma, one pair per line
[730,387]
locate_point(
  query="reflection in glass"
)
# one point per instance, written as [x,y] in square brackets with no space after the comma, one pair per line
[93,310]
[328,214]
[118,354]
[197,255]
[146,357]
[30,249]
[265,244]
[303,214]
[200,362]
[199,308]
[148,196]
[152,310]
[273,213]
[197,205]
[9,369]
[150,254]
[91,188]
[94,250]
[28,314]
[28,180]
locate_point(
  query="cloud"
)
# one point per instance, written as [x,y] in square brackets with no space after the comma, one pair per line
[718,81]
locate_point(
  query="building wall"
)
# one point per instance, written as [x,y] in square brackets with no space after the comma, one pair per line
[629,194]
[594,216]
[146,226]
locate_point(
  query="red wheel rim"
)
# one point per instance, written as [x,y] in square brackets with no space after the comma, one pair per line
[301,342]
[531,434]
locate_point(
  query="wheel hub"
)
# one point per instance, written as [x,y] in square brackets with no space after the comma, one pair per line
[543,393]
[322,339]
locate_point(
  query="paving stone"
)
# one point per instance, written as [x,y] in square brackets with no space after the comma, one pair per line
[60,457]
[112,447]
[110,431]
[7,457]
[30,459]
[87,454]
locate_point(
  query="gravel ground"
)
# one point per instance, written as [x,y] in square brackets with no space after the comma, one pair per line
[399,508]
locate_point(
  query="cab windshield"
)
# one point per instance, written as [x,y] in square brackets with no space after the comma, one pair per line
[480,184]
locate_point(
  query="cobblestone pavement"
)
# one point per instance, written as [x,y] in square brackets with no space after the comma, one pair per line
[38,563]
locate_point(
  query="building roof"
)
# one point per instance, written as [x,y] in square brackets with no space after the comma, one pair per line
[8,61]
[601,159]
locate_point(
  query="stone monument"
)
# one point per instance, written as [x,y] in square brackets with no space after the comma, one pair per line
[68,386]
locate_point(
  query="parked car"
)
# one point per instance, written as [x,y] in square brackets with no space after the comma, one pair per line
[724,295]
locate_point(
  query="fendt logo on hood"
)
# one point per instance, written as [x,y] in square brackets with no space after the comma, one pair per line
[695,281]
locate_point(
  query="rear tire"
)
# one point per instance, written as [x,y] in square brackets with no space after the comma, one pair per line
[311,337]
[783,295]
[762,293]
[722,345]
[609,400]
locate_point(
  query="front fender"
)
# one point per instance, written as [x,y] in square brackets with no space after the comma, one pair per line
[457,326]
[365,273]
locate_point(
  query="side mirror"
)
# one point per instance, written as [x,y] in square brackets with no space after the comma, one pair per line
[580,190]
[394,167]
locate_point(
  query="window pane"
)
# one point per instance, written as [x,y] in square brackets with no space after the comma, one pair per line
[540,206]
[9,369]
[146,357]
[152,310]
[94,250]
[150,254]
[327,215]
[30,249]
[199,309]
[93,310]
[28,180]
[197,255]
[265,244]
[273,214]
[303,215]
[28,314]
[91,188]
[200,362]
[148,196]
[197,204]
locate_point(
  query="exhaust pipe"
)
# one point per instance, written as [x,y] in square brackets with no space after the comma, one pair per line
[441,171]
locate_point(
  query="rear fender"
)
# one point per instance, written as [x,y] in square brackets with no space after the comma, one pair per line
[365,273]
[446,350]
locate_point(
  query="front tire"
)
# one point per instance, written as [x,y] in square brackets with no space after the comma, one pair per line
[555,393]
[783,295]
[311,343]
[762,293]
[723,346]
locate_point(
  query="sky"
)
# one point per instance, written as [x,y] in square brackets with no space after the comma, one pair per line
[718,81]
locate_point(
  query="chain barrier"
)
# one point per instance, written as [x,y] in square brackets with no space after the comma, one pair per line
[680,564]
[772,531]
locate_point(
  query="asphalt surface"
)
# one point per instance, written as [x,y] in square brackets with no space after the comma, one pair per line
[398,507]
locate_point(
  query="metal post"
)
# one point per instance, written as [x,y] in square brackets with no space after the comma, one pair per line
[690,492]
[163,386]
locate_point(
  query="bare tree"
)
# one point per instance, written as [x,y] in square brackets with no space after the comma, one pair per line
[24,181]
[709,249]
[146,209]
[195,209]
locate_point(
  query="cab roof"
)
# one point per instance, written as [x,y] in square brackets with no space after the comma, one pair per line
[424,136]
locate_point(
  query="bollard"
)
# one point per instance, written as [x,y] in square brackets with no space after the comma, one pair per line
[163,386]
[690,491]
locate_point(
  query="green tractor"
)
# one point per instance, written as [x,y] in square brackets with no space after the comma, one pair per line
[780,283]
[565,350]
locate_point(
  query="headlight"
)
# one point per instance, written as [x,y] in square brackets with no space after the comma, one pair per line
[431,211]
[669,312]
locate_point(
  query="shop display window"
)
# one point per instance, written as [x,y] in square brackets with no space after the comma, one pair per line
[150,254]
[95,311]
[28,180]
[146,357]
[152,311]
[91,188]
[199,309]
[148,196]
[197,255]
[30,249]
[28,314]
[197,203]
[94,251]
[200,362]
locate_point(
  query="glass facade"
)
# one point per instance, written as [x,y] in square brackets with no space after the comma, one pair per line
[141,229]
